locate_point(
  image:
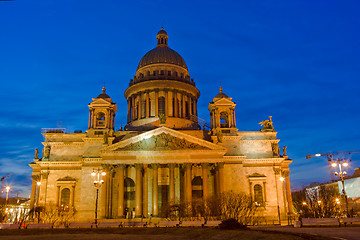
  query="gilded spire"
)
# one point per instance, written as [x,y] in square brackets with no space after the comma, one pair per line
[220,89]
[103,89]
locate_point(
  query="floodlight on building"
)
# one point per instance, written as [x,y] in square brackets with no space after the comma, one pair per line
[282,179]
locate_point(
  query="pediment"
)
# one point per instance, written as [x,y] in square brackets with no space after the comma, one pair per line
[257,175]
[224,101]
[100,101]
[163,139]
[67,178]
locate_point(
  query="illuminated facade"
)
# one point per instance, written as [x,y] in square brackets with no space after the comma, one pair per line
[164,155]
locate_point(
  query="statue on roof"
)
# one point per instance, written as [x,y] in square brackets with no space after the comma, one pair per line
[162,118]
[106,138]
[267,125]
[275,149]
[219,135]
[284,150]
[36,153]
[47,149]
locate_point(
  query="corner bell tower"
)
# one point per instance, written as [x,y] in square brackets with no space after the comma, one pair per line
[222,114]
[102,114]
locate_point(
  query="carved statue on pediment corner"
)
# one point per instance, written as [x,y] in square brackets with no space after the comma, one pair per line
[267,125]
[219,135]
[162,118]
[284,150]
[47,149]
[36,153]
[275,149]
[106,138]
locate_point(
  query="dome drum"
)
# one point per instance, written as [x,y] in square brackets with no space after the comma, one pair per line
[162,91]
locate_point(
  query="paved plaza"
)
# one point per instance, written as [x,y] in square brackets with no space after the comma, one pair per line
[348,233]
[150,234]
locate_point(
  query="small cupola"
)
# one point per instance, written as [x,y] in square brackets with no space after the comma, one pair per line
[102,113]
[162,38]
[222,114]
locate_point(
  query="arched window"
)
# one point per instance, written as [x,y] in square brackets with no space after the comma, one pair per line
[137,110]
[65,200]
[150,107]
[143,108]
[161,105]
[224,120]
[258,195]
[197,191]
[100,119]
[129,189]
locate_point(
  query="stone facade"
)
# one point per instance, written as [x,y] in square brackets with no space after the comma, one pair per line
[163,155]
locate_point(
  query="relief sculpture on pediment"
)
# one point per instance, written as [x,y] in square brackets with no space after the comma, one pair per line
[162,141]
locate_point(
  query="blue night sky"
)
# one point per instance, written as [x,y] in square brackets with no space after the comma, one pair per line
[297,61]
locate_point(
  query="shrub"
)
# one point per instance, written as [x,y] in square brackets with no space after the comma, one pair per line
[231,223]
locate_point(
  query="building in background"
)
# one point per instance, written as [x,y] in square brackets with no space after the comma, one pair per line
[164,155]
[335,190]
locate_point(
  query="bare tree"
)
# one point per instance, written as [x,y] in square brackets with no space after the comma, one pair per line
[317,202]
[238,206]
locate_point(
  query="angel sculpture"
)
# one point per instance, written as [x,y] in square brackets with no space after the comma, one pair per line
[267,125]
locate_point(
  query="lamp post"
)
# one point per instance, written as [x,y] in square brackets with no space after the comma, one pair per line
[7,189]
[342,163]
[97,174]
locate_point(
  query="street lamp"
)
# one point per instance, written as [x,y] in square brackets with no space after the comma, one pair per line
[7,189]
[342,163]
[97,174]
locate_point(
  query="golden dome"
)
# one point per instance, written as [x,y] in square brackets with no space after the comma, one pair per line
[104,96]
[162,53]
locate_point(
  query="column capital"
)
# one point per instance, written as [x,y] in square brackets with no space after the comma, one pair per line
[276,170]
[121,166]
[45,174]
[220,165]
[155,166]
[187,165]
[171,165]
[139,166]
[36,177]
[204,165]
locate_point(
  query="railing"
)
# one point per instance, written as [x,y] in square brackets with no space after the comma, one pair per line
[200,121]
[53,130]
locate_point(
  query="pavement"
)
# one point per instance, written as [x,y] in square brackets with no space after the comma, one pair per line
[343,233]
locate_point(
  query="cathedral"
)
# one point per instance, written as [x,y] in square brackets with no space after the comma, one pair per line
[164,155]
